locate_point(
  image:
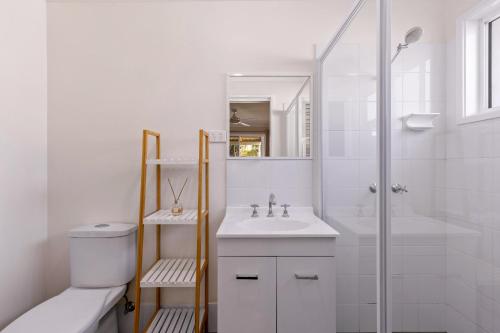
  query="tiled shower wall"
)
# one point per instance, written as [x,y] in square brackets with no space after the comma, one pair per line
[349,153]
[349,136]
[473,201]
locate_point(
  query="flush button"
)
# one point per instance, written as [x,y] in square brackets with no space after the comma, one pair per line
[103,225]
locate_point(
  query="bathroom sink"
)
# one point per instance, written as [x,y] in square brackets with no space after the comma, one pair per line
[273,224]
[300,234]
[302,222]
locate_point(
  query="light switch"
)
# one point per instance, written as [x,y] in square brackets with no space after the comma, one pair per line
[217,136]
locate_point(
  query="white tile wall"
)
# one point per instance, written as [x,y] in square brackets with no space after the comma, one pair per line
[251,181]
[472,200]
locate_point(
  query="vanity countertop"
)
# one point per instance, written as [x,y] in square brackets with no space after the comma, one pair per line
[302,223]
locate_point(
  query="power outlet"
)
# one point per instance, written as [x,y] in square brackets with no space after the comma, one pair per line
[217,136]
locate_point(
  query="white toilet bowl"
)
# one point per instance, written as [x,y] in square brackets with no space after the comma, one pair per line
[74,310]
[102,260]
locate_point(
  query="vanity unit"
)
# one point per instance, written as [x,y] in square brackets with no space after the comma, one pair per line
[275,274]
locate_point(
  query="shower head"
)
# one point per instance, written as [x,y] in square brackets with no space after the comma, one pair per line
[412,36]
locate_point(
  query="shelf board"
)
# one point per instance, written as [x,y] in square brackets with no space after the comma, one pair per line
[175,320]
[172,162]
[164,216]
[173,273]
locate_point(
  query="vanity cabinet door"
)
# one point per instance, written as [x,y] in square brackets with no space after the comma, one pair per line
[306,295]
[246,295]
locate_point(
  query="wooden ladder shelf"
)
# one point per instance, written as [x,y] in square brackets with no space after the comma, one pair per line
[174,272]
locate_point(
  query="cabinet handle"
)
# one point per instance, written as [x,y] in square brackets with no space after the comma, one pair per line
[306,277]
[247,276]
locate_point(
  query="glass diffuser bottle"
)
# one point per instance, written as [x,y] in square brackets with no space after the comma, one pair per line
[177,208]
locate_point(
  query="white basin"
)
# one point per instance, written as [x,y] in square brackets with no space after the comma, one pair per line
[302,222]
[273,224]
[301,234]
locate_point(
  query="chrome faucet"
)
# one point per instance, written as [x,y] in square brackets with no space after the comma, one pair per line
[272,202]
[398,188]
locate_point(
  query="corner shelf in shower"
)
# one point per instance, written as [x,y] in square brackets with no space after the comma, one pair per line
[174,272]
[420,121]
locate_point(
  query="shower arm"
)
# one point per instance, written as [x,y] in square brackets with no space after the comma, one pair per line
[400,48]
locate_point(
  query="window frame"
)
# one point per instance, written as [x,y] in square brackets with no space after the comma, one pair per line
[489,69]
[474,61]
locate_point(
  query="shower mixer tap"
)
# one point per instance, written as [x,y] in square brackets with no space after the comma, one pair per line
[396,188]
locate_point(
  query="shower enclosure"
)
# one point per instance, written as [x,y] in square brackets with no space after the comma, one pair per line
[410,188]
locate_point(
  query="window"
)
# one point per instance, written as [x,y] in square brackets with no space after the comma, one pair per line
[247,145]
[494,63]
[479,57]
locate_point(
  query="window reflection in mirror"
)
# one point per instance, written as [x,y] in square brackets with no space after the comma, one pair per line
[269,116]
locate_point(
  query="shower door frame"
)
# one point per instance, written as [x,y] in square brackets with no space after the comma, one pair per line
[383,130]
[384,257]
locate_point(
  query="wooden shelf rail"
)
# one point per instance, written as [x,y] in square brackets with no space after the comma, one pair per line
[174,272]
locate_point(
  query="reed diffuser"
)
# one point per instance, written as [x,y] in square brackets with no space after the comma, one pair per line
[177,206]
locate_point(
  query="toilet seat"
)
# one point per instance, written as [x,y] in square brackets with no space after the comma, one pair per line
[75,310]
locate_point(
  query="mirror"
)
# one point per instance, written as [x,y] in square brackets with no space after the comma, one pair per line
[269,116]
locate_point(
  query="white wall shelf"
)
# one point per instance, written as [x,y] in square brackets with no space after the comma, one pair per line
[173,272]
[164,216]
[173,162]
[174,320]
[420,121]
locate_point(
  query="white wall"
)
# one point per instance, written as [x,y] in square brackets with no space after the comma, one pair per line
[23,178]
[117,67]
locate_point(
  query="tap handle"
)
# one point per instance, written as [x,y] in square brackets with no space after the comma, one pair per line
[254,213]
[285,211]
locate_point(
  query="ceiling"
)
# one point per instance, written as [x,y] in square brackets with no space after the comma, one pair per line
[256,114]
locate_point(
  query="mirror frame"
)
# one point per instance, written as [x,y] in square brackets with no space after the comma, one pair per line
[229,99]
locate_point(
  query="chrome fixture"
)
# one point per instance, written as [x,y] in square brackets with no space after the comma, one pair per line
[306,277]
[412,36]
[255,213]
[285,211]
[272,202]
[398,188]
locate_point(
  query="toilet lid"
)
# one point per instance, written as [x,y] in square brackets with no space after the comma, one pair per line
[73,311]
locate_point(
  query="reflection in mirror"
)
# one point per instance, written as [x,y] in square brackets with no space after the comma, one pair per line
[269,116]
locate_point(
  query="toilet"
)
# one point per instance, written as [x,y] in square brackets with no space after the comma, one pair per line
[102,261]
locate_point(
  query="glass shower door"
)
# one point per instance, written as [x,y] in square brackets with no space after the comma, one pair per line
[418,222]
[348,104]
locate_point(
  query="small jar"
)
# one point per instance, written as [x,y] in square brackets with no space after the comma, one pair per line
[177,208]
